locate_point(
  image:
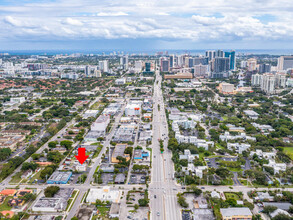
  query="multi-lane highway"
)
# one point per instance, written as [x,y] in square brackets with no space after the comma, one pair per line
[163,190]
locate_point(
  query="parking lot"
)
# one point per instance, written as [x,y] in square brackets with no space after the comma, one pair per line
[107,178]
[137,179]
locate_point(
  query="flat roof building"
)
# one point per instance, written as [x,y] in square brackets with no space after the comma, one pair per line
[59,177]
[236,213]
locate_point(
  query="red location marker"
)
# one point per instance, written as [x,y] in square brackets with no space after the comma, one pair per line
[81,157]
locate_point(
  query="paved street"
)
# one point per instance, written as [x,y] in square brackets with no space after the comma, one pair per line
[163,200]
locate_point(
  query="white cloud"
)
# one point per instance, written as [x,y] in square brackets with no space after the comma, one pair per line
[111,14]
[72,21]
[12,21]
[197,20]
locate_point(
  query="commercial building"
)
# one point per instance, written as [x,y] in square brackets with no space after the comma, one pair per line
[119,152]
[54,204]
[220,67]
[138,66]
[104,194]
[90,113]
[226,88]
[178,76]
[201,70]
[165,65]
[101,124]
[132,109]
[236,213]
[285,62]
[59,177]
[140,154]
[232,57]
[114,210]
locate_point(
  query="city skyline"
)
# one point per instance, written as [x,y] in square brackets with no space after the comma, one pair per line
[137,25]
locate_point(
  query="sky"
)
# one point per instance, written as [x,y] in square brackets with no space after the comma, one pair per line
[145,24]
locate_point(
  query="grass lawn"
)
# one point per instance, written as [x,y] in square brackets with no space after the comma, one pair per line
[232,195]
[244,182]
[4,206]
[97,105]
[16,178]
[103,211]
[36,176]
[219,146]
[289,151]
[201,156]
[97,152]
[227,182]
[234,169]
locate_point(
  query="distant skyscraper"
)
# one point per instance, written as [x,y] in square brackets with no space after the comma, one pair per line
[220,67]
[147,67]
[251,64]
[87,70]
[264,68]
[285,62]
[124,62]
[280,80]
[165,65]
[232,56]
[138,66]
[104,66]
[97,73]
[268,83]
[200,70]
[200,60]
[243,64]
[210,54]
[256,79]
[219,53]
[172,59]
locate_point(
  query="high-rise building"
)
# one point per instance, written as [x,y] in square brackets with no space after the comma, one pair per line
[232,56]
[280,80]
[285,62]
[138,66]
[264,68]
[251,64]
[147,67]
[181,60]
[104,66]
[200,60]
[256,79]
[172,61]
[220,66]
[243,64]
[165,65]
[268,83]
[200,70]
[124,62]
[210,54]
[219,53]
[87,70]
[97,73]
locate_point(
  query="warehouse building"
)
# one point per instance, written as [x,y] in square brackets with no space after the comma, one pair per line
[59,177]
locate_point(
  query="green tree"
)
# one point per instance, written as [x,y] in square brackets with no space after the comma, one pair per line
[67,144]
[269,209]
[50,191]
